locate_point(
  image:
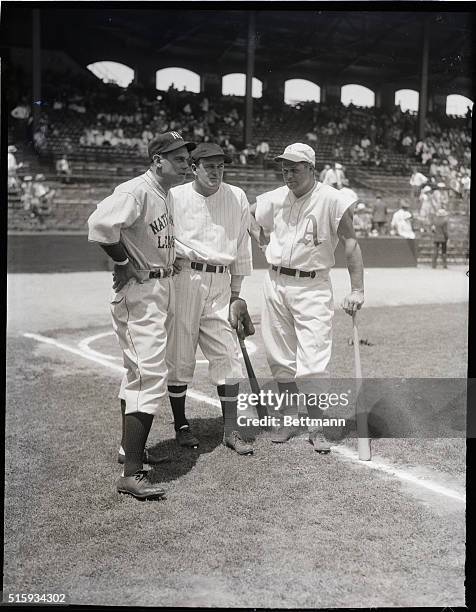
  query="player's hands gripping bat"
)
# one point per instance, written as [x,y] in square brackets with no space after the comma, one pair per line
[239,318]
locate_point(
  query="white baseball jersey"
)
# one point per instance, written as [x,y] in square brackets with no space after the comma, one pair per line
[303,230]
[213,229]
[138,216]
[296,319]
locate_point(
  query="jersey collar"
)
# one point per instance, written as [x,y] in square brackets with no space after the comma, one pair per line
[152,179]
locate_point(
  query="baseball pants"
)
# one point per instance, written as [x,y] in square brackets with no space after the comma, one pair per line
[142,318]
[296,325]
[201,319]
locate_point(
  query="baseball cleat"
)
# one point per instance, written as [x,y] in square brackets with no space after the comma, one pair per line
[283,433]
[234,441]
[148,457]
[321,445]
[186,438]
[139,486]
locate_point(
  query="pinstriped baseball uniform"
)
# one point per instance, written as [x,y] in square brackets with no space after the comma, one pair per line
[211,230]
[297,311]
[138,216]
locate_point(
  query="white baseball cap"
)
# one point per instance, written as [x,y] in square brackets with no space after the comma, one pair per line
[338,166]
[426,189]
[298,152]
[360,206]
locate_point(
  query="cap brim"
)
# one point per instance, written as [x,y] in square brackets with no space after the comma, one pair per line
[226,158]
[292,158]
[177,144]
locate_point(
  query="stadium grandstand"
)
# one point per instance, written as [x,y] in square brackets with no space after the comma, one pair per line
[74,133]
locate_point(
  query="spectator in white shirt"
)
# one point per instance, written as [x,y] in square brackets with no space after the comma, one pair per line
[417,181]
[401,221]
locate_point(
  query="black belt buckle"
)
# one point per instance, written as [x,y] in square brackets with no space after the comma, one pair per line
[163,273]
[295,273]
[207,267]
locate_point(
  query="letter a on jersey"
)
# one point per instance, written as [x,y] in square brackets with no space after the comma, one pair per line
[307,232]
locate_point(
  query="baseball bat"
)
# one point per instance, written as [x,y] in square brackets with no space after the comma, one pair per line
[260,409]
[363,442]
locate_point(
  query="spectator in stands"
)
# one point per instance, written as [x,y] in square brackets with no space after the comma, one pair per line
[340,175]
[356,153]
[401,223]
[147,134]
[22,111]
[417,181]
[379,216]
[311,136]
[439,229]
[323,172]
[13,165]
[42,199]
[247,154]
[365,143]
[439,196]
[362,220]
[466,186]
[338,151]
[27,192]
[427,208]
[335,176]
[407,144]
[262,153]
[63,169]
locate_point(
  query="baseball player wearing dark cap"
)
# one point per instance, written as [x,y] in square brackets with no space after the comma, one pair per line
[304,220]
[135,228]
[214,253]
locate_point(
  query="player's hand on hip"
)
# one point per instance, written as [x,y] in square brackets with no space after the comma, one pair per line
[123,274]
[353,302]
[240,319]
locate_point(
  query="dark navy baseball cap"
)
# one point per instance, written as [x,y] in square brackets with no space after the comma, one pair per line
[168,141]
[209,149]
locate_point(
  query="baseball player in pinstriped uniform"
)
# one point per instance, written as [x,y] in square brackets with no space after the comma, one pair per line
[304,220]
[214,253]
[135,228]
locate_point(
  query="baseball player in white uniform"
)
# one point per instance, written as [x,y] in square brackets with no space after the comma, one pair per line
[304,220]
[135,228]
[214,254]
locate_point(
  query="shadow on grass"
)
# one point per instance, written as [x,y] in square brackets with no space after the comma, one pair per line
[179,461]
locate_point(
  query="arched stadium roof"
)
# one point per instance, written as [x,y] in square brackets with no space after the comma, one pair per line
[368,47]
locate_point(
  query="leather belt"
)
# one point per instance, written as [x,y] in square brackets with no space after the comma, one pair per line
[161,273]
[207,267]
[295,273]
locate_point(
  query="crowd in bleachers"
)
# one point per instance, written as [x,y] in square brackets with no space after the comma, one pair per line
[86,114]
[86,117]
[34,194]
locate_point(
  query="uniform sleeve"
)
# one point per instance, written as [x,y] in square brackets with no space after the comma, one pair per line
[115,212]
[243,263]
[264,213]
[341,203]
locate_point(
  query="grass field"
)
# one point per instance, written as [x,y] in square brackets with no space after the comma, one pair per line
[285,528]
